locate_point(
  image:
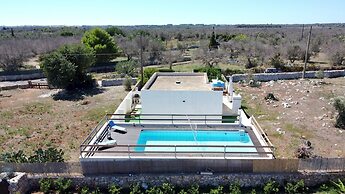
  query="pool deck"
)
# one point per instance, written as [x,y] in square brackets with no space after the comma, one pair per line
[133,132]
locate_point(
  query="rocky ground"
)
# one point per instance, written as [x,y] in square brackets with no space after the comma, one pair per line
[304,111]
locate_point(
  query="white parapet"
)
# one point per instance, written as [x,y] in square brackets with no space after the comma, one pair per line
[230,87]
[236,102]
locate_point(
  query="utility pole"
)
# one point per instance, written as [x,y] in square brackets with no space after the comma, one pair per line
[141,63]
[302,32]
[306,53]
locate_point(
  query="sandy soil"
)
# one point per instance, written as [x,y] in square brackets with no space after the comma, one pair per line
[311,115]
[31,118]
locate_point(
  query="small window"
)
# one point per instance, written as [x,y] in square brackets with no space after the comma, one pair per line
[178,82]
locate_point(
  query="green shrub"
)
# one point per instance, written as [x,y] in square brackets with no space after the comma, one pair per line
[182,191]
[49,155]
[297,187]
[135,189]
[67,67]
[271,187]
[235,188]
[340,187]
[324,187]
[66,33]
[218,190]
[212,72]
[127,68]
[166,70]
[14,157]
[276,62]
[339,105]
[168,188]
[63,185]
[148,72]
[320,74]
[127,83]
[96,191]
[228,71]
[40,156]
[84,190]
[194,189]
[154,190]
[113,189]
[45,185]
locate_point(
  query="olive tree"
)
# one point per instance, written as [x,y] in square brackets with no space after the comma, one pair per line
[66,68]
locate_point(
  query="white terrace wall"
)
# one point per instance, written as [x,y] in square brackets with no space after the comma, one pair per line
[287,75]
[181,102]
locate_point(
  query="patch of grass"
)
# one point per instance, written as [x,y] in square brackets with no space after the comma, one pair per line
[327,94]
[291,128]
[22,131]
[187,67]
[37,108]
[96,114]
[6,115]
[297,131]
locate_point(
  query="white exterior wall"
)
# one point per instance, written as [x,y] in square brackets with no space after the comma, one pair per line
[182,102]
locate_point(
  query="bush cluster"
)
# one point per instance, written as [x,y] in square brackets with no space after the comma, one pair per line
[62,185]
[40,156]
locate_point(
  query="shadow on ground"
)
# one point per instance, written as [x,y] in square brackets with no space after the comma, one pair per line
[76,95]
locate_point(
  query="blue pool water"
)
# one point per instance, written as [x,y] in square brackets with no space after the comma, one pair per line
[187,137]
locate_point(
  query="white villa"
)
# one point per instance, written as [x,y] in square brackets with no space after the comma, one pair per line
[178,116]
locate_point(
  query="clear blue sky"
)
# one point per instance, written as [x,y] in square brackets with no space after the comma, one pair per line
[139,12]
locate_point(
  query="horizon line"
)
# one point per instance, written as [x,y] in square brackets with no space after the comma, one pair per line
[130,25]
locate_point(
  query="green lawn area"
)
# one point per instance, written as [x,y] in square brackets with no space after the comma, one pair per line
[188,67]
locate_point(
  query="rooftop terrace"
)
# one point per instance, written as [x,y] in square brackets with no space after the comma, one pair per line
[179,81]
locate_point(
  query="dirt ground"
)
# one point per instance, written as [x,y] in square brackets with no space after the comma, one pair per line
[310,116]
[31,118]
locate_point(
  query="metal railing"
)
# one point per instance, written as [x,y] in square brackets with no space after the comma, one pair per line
[261,131]
[172,118]
[89,146]
[224,151]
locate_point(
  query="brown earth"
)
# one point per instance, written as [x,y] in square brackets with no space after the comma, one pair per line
[31,118]
[310,117]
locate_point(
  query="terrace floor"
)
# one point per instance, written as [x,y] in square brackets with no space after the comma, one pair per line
[133,132]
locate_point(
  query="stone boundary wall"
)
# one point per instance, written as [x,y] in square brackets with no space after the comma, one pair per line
[22,77]
[287,75]
[38,73]
[180,180]
[115,82]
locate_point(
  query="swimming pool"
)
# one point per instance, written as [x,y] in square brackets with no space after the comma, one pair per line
[200,137]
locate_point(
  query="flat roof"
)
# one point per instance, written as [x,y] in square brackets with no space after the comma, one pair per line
[170,81]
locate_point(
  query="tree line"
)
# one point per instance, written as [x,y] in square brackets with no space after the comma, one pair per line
[256,47]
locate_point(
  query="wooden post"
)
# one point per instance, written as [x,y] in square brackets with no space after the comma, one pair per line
[306,53]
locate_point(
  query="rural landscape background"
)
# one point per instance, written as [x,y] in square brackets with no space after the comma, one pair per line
[75,53]
[241,49]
